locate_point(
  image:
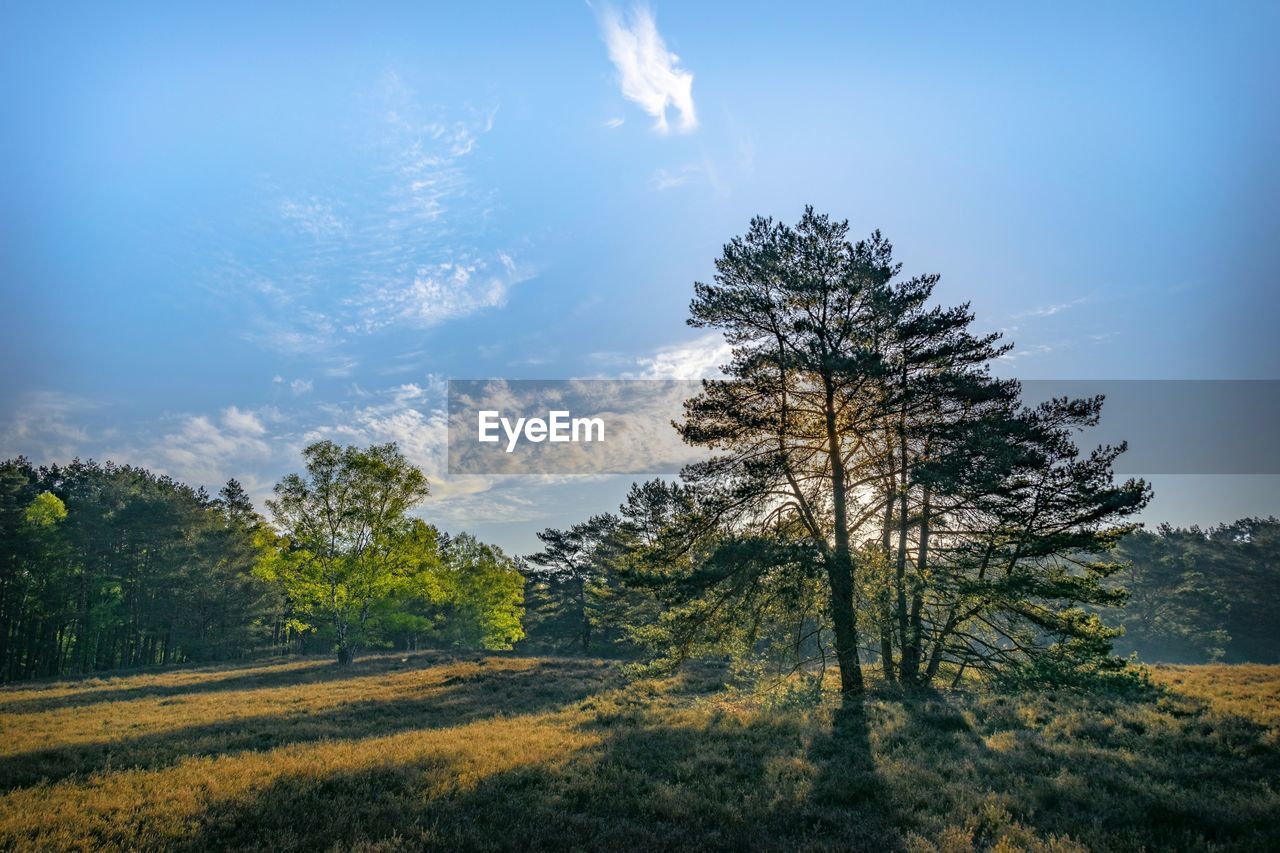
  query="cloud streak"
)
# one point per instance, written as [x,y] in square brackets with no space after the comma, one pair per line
[648,73]
[664,179]
[445,291]
[698,359]
[1051,309]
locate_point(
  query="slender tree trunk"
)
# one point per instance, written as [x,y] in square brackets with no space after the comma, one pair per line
[886,646]
[82,622]
[4,630]
[840,563]
[346,654]
[586,621]
[900,575]
[940,644]
[912,651]
[886,607]
[32,663]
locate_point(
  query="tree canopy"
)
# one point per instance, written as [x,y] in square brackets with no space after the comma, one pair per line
[874,483]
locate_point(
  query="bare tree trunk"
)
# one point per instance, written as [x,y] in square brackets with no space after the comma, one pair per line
[900,576]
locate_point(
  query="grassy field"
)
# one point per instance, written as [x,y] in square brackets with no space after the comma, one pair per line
[543,753]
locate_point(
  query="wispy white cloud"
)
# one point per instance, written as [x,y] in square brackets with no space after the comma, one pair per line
[314,216]
[1051,309]
[404,241]
[613,122]
[1035,350]
[47,426]
[649,74]
[206,451]
[243,421]
[664,179]
[698,359]
[442,292]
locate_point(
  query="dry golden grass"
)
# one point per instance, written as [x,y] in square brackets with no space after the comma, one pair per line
[447,752]
[1246,690]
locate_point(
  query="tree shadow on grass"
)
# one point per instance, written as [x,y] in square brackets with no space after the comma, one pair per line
[461,698]
[1157,771]
[640,789]
[650,781]
[652,772]
[213,679]
[846,808]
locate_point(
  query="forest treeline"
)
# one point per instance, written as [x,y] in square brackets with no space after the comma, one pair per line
[1202,595]
[109,566]
[1193,595]
[104,566]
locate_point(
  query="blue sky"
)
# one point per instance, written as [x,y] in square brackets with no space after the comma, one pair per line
[229,231]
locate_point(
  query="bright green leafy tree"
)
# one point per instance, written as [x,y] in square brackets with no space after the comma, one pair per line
[350,545]
[482,593]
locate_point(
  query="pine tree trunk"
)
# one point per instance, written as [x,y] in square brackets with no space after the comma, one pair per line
[912,652]
[900,576]
[844,621]
[840,564]
[586,621]
[886,605]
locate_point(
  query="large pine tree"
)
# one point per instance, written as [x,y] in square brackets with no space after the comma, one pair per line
[860,421]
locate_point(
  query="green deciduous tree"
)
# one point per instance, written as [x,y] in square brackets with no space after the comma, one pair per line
[482,594]
[350,543]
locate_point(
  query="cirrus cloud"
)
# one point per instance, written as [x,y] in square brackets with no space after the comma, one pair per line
[650,75]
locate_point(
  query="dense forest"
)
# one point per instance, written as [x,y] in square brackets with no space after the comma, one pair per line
[107,566]
[1201,595]
[110,566]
